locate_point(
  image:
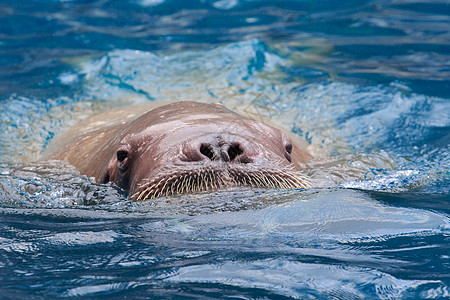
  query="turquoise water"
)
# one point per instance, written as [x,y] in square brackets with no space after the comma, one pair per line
[364,83]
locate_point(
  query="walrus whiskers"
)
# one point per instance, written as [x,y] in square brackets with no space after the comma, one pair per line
[205,179]
[285,178]
[180,188]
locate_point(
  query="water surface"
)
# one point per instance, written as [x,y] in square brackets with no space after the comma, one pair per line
[364,83]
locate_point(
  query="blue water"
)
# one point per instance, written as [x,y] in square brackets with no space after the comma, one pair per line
[364,83]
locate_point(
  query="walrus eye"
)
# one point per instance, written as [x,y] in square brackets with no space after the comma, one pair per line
[288,156]
[289,148]
[122,160]
[122,155]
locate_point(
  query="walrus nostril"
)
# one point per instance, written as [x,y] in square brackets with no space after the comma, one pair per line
[234,151]
[207,151]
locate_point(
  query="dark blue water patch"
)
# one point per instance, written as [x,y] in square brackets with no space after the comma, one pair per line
[438,137]
[217,21]
[346,27]
[33,71]
[8,58]
[388,51]
[29,26]
[233,7]
[408,250]
[425,7]
[442,138]
[192,41]
[421,67]
[433,201]
[437,88]
[81,42]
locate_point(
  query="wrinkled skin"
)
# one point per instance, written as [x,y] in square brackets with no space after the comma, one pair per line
[187,147]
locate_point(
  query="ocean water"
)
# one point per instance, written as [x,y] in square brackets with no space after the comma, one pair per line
[364,83]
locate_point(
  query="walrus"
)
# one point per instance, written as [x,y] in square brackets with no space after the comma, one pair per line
[185,147]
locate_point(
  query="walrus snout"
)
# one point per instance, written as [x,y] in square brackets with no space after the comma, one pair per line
[187,147]
[228,149]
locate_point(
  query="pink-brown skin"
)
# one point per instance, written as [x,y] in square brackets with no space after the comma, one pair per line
[187,147]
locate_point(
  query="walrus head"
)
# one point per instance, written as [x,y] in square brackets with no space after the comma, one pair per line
[189,147]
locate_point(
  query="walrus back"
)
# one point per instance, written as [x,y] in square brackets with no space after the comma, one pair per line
[89,153]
